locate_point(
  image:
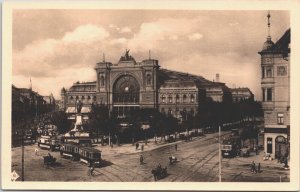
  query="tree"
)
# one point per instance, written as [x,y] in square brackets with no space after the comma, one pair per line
[98,120]
[60,119]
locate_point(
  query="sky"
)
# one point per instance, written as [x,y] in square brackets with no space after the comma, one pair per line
[56,48]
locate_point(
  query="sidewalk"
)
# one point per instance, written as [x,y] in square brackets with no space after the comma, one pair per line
[259,159]
[130,148]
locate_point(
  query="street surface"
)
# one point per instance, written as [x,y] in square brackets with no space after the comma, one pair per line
[198,161]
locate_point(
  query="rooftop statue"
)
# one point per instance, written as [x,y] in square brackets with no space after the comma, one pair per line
[127,57]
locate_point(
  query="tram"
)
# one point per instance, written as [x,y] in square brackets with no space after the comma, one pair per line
[231,146]
[46,142]
[87,155]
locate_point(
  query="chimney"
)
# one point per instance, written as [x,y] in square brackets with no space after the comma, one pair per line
[217,77]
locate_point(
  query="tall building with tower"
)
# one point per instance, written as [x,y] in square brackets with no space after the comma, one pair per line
[275,84]
[129,85]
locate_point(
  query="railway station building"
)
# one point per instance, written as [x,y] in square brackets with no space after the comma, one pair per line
[129,85]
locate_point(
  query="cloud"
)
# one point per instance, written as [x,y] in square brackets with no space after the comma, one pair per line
[173,37]
[125,30]
[118,41]
[86,34]
[152,34]
[195,36]
[234,23]
[46,57]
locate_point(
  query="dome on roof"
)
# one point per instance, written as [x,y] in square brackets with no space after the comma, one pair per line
[269,43]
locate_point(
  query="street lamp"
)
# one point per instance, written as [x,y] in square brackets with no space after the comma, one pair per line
[22,155]
[220,159]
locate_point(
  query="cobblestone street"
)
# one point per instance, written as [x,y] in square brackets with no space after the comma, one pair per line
[198,161]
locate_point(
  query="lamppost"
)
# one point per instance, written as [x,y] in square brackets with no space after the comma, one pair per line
[22,155]
[220,158]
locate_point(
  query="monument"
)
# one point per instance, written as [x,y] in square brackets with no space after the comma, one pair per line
[77,133]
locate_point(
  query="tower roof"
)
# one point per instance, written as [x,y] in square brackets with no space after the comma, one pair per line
[268,44]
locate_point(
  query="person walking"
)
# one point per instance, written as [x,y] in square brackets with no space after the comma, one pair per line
[176,147]
[136,146]
[91,171]
[142,147]
[258,168]
[252,167]
[36,151]
[141,159]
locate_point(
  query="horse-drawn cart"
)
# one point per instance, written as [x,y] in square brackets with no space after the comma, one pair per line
[159,172]
[49,160]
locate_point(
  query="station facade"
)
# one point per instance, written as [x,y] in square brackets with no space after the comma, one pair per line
[129,85]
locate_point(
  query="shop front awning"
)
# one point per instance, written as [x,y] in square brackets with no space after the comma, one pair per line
[83,110]
[86,110]
[70,110]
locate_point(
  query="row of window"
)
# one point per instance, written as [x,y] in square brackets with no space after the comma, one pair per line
[82,97]
[177,99]
[267,71]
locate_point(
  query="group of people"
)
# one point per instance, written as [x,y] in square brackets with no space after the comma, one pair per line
[137,146]
[255,169]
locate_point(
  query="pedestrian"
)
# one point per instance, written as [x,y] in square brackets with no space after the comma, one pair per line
[36,151]
[142,147]
[258,168]
[91,171]
[111,144]
[252,167]
[255,149]
[141,159]
[175,147]
[136,146]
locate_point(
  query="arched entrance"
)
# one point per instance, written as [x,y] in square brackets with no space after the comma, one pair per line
[280,146]
[126,95]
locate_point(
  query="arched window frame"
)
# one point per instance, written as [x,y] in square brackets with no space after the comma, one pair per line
[184,98]
[192,98]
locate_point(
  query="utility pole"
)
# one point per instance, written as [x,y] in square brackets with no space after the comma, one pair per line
[23,155]
[220,159]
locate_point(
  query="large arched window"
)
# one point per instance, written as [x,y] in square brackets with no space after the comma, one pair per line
[163,98]
[170,98]
[177,98]
[192,98]
[184,99]
[126,89]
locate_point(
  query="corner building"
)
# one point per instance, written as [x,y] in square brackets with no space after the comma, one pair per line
[129,85]
[275,84]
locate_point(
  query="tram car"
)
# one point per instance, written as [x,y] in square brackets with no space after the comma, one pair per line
[231,146]
[90,156]
[70,151]
[46,142]
[87,155]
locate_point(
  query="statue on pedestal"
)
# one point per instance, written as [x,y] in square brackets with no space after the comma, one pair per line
[78,106]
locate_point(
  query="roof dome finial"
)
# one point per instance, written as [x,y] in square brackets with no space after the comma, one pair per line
[269,43]
[269,24]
